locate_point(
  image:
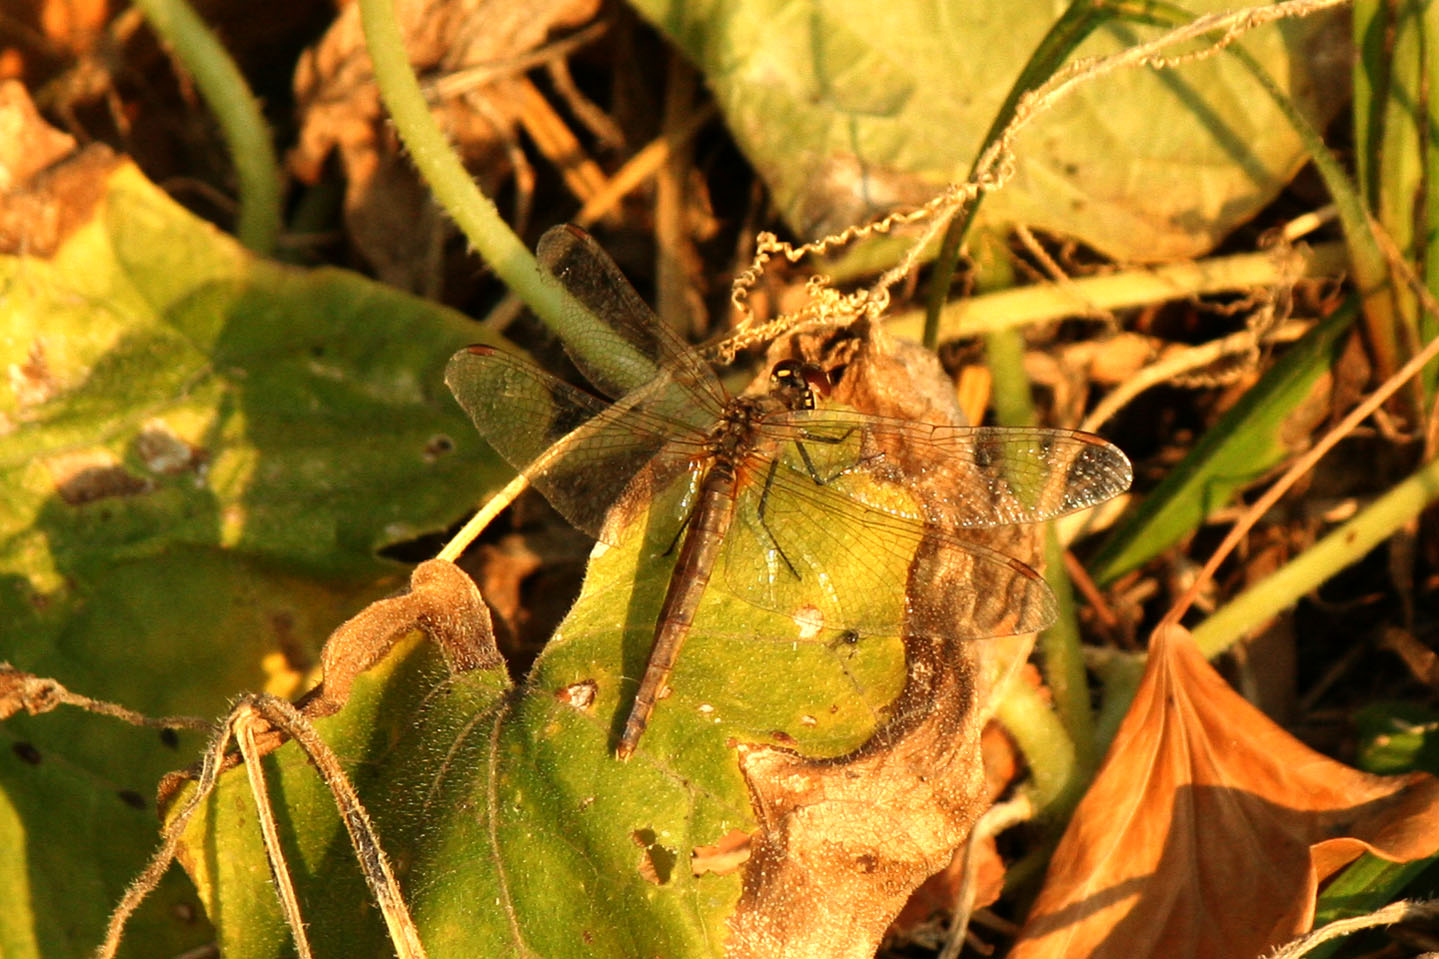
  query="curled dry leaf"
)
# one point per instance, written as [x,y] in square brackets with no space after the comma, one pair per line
[937,895]
[1209,828]
[843,843]
[339,107]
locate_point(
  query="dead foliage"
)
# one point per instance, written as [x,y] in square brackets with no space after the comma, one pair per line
[1209,829]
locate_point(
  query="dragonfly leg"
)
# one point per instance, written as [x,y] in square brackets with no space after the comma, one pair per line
[679,533]
[763,504]
[832,441]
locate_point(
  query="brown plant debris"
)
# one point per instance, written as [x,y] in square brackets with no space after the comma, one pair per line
[340,111]
[1209,828]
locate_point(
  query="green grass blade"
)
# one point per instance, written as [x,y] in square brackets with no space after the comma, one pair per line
[1245,443]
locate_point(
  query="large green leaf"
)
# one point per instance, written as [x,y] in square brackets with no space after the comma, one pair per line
[850,108]
[201,456]
[516,830]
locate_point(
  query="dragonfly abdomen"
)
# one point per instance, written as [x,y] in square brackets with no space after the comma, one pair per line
[710,521]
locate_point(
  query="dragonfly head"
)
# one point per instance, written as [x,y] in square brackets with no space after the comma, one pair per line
[798,384]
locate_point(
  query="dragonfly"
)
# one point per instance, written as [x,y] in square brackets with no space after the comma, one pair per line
[803,505]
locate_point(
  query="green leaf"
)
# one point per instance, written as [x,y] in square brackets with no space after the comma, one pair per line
[1395,165]
[201,456]
[1397,737]
[851,107]
[1241,447]
[517,831]
[1394,738]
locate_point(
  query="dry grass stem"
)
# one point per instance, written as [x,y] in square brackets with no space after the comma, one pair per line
[40,694]
[245,719]
[1167,370]
[995,820]
[149,877]
[1401,911]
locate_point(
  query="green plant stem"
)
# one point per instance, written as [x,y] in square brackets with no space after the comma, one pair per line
[1063,650]
[1141,286]
[1388,130]
[236,111]
[475,214]
[1119,674]
[1056,783]
[439,165]
[1341,548]
[1428,241]
[1059,645]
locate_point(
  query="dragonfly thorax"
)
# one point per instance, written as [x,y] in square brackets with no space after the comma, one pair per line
[793,386]
[797,384]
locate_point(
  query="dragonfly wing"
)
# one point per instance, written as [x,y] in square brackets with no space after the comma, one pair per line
[964,476]
[576,449]
[797,548]
[630,345]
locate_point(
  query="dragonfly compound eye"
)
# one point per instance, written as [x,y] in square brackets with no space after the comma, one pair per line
[801,381]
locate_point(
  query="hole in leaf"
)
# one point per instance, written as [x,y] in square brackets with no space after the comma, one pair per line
[724,857]
[657,863]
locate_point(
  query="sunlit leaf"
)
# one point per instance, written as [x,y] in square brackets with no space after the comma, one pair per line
[1209,828]
[201,455]
[852,107]
[844,768]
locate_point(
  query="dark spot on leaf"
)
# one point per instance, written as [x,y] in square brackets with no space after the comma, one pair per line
[782,737]
[587,937]
[131,798]
[99,482]
[866,863]
[579,695]
[170,738]
[289,645]
[437,446]
[317,350]
[27,752]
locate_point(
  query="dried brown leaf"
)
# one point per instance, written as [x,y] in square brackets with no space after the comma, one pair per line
[42,199]
[1209,828]
[844,842]
[340,111]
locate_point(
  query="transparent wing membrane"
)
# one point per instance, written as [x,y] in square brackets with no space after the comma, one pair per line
[576,449]
[972,476]
[628,327]
[842,520]
[871,568]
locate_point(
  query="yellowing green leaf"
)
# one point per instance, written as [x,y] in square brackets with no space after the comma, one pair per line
[201,455]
